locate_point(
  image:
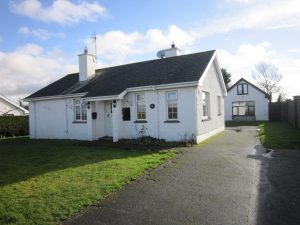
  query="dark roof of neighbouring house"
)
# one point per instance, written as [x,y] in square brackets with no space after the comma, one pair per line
[114,80]
[244,80]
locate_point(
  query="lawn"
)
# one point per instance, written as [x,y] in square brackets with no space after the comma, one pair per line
[45,181]
[276,135]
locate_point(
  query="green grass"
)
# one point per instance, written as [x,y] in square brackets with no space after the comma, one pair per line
[276,135]
[44,181]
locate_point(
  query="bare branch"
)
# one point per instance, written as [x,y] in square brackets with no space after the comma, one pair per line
[267,77]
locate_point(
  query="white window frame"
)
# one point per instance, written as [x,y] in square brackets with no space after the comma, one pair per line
[81,105]
[143,102]
[205,102]
[219,105]
[171,101]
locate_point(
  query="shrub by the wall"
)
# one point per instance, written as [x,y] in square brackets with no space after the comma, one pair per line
[14,126]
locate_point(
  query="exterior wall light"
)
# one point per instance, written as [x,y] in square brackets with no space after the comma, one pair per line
[114,103]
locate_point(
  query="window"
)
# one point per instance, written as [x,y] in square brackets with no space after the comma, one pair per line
[219,106]
[172,105]
[126,114]
[242,89]
[243,108]
[80,110]
[205,105]
[140,107]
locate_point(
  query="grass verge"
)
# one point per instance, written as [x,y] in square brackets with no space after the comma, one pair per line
[46,181]
[276,135]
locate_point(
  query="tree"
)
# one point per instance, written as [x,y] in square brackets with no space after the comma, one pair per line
[282,96]
[226,76]
[267,77]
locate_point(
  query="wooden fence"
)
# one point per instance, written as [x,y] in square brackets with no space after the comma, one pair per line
[288,111]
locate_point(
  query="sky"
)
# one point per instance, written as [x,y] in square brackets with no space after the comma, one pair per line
[40,40]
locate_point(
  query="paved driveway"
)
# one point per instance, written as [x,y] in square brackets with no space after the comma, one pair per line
[224,182]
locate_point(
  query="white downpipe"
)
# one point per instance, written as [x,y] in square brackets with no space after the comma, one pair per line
[67,119]
[157,114]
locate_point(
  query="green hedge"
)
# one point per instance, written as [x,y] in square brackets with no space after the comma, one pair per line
[14,126]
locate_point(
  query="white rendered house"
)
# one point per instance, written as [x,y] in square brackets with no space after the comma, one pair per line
[9,108]
[245,101]
[171,98]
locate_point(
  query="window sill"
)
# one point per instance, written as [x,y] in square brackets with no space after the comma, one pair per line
[206,119]
[172,121]
[79,121]
[140,121]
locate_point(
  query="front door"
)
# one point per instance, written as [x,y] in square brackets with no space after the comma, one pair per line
[108,118]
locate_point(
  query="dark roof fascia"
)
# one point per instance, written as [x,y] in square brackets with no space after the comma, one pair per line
[243,79]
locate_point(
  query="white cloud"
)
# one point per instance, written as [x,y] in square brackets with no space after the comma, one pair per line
[269,14]
[61,11]
[29,68]
[241,64]
[117,47]
[40,33]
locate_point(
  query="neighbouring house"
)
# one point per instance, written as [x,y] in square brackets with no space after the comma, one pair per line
[9,108]
[245,101]
[173,98]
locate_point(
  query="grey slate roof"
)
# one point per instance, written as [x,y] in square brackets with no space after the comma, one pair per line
[114,80]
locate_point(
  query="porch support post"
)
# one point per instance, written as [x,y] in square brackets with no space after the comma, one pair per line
[90,122]
[116,109]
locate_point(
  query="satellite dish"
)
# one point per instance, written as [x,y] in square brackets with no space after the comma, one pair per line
[161,54]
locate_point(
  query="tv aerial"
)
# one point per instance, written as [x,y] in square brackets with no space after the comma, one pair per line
[94,42]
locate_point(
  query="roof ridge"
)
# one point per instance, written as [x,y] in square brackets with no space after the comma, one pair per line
[152,60]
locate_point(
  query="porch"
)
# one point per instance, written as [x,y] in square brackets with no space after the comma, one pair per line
[103,119]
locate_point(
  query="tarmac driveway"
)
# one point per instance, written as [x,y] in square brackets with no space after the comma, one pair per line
[224,182]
